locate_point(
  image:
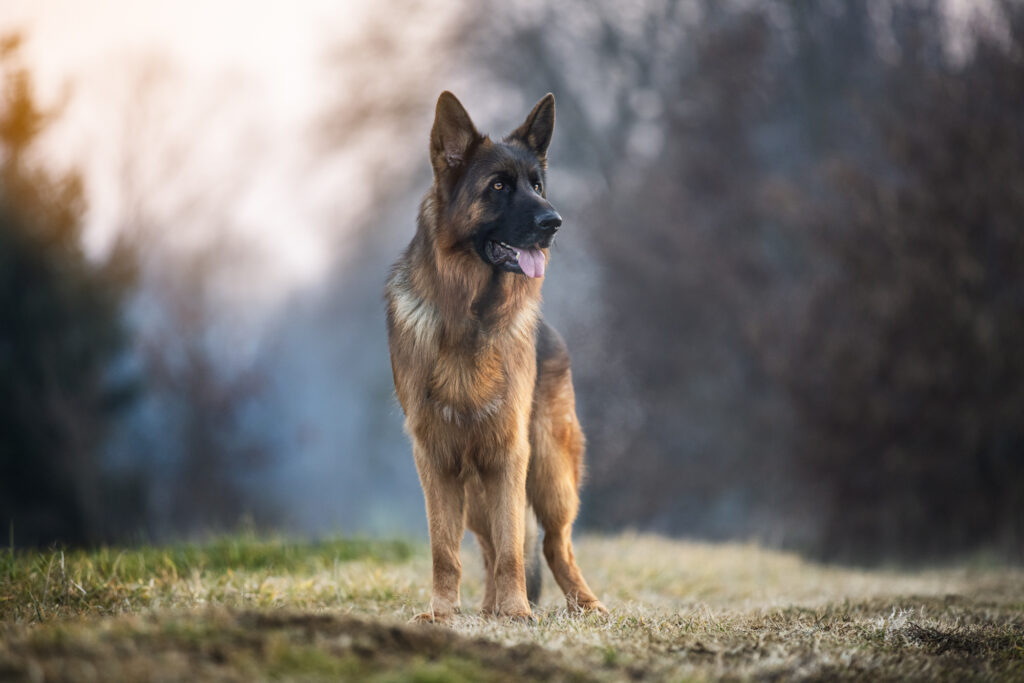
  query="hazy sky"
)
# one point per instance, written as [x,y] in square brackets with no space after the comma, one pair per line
[253,73]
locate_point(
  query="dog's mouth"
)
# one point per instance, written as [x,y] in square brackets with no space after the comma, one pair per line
[529,261]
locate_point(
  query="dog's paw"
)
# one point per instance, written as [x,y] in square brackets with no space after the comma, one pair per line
[520,617]
[588,607]
[515,608]
[433,618]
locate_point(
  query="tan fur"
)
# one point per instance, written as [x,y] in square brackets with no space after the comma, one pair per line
[492,432]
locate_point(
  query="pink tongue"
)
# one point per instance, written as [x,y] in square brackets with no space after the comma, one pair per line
[532,262]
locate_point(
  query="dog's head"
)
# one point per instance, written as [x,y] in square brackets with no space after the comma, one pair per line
[493,192]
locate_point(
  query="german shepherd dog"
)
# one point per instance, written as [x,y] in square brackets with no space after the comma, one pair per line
[483,380]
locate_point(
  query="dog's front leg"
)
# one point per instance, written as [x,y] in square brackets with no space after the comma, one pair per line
[505,492]
[445,497]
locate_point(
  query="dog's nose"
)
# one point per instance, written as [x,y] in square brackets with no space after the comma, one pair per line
[548,222]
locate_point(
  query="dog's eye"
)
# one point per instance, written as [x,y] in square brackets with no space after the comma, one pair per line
[536,188]
[498,185]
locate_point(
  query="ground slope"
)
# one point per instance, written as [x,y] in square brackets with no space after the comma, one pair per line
[248,609]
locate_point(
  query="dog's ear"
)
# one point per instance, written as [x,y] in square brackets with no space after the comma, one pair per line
[452,136]
[536,130]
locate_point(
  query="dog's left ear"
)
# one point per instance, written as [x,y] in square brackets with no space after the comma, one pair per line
[536,130]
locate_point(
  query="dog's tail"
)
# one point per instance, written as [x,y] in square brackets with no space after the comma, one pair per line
[532,557]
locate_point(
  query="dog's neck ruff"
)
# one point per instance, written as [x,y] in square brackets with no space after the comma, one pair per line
[426,317]
[458,293]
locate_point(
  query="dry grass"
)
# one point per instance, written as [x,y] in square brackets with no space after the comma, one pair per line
[244,609]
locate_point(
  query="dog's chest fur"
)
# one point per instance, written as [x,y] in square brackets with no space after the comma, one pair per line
[460,372]
[467,386]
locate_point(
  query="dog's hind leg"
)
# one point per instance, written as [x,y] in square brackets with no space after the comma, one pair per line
[556,503]
[532,558]
[556,441]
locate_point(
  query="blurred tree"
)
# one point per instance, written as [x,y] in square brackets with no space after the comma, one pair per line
[194,428]
[61,338]
[688,261]
[910,371]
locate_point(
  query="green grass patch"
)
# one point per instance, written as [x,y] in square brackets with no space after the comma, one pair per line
[41,584]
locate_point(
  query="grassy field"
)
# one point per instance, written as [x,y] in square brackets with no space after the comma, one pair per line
[244,609]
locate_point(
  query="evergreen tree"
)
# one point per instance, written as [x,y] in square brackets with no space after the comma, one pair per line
[60,335]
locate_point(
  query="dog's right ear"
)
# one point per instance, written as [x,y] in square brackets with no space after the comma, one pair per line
[453,135]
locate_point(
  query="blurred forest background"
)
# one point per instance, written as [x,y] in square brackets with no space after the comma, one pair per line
[791,274]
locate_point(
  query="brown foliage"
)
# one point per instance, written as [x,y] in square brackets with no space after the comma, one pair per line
[910,379]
